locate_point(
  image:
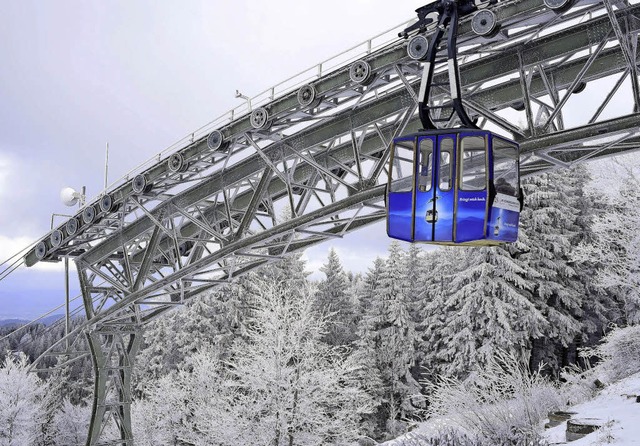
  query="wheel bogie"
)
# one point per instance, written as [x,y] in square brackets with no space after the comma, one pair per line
[558,5]
[485,23]
[72,226]
[216,141]
[107,204]
[418,47]
[308,96]
[41,250]
[176,163]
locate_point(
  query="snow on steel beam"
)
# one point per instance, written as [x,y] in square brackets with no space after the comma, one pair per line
[564,42]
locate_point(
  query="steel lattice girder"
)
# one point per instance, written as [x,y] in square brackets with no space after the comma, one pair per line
[278,240]
[526,18]
[241,201]
[287,237]
[496,97]
[325,157]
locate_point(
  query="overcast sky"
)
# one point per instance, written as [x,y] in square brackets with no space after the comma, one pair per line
[141,75]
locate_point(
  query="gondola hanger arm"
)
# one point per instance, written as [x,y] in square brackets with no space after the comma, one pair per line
[449,12]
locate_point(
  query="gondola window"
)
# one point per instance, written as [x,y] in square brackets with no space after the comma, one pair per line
[426,161]
[473,163]
[402,167]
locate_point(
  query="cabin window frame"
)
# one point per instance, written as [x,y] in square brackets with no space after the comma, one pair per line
[461,162]
[506,144]
[407,144]
[419,159]
[451,152]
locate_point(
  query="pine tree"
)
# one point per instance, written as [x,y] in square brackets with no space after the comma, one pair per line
[333,299]
[395,340]
[366,350]
[165,401]
[55,390]
[367,298]
[441,267]
[415,272]
[209,321]
[602,306]
[550,224]
[71,424]
[158,354]
[488,309]
[623,259]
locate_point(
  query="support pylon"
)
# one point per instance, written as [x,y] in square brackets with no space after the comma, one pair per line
[113,350]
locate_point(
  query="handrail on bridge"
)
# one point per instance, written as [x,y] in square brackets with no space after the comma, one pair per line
[270,94]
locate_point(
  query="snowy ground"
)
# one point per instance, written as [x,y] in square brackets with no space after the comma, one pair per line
[620,414]
[614,406]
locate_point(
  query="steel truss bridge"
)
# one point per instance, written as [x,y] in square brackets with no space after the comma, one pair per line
[309,164]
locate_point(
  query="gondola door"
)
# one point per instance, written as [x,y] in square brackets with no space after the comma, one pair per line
[444,194]
[433,212]
[425,213]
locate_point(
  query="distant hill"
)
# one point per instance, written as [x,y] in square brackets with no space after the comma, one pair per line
[17,322]
[11,322]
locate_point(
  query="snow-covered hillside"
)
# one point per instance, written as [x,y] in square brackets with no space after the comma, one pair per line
[616,407]
[506,404]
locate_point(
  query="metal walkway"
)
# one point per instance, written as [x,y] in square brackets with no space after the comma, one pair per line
[309,164]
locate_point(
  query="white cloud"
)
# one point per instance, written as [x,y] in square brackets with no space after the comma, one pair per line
[15,248]
[25,209]
[10,246]
[5,170]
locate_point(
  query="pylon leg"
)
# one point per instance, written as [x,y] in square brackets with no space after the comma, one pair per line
[113,350]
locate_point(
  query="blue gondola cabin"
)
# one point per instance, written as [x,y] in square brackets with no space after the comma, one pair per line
[454,187]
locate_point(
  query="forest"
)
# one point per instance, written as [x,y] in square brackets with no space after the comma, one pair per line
[278,359]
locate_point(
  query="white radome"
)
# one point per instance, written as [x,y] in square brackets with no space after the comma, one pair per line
[69,196]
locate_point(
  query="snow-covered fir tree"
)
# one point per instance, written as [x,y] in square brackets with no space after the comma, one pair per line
[416,298]
[58,390]
[439,266]
[602,306]
[71,423]
[615,247]
[366,351]
[487,308]
[549,221]
[211,321]
[393,340]
[161,416]
[333,299]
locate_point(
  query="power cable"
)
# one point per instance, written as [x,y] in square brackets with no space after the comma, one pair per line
[35,321]
[11,268]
